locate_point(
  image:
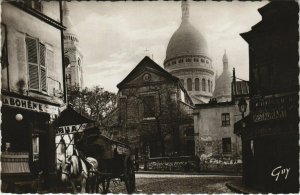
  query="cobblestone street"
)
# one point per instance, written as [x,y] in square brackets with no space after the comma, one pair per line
[161,183]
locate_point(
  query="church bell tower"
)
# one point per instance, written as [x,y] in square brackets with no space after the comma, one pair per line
[73,57]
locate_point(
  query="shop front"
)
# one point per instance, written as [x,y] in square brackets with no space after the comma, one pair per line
[270,144]
[27,145]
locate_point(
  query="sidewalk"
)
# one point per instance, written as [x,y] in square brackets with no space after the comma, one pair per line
[184,173]
[238,187]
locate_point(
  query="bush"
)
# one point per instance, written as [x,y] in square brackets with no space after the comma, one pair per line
[210,163]
[181,164]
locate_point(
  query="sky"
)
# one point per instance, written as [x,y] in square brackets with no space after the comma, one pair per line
[113,36]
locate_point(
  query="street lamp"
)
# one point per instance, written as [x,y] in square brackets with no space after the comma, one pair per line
[242,106]
[19,117]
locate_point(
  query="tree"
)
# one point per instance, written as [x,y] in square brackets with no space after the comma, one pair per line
[95,103]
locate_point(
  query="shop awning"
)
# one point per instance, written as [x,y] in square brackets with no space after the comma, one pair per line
[70,117]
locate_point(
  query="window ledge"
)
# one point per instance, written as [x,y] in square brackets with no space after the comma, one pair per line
[38,92]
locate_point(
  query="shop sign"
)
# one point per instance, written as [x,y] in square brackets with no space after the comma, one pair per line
[70,129]
[28,105]
[271,108]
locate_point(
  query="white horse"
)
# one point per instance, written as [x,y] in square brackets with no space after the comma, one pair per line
[75,171]
[93,176]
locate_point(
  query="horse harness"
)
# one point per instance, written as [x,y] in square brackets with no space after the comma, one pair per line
[69,164]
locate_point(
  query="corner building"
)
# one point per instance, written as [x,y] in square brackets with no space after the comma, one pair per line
[32,93]
[187,58]
[270,137]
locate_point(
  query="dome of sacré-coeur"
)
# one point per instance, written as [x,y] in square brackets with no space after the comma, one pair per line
[186,40]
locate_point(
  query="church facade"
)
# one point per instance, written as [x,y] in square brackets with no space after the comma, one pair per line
[154,114]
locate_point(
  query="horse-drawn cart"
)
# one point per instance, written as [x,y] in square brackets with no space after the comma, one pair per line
[114,161]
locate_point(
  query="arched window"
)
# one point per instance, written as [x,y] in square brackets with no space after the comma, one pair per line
[203,85]
[189,84]
[197,84]
[211,86]
[66,62]
[79,61]
[209,89]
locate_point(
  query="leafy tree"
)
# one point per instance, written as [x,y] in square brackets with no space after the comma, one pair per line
[94,102]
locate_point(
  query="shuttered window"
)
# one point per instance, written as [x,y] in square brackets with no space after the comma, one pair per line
[4,58]
[43,76]
[33,67]
[49,63]
[37,64]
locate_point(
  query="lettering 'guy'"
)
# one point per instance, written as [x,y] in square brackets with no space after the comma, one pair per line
[280,171]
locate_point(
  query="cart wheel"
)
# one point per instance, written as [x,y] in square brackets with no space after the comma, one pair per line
[129,175]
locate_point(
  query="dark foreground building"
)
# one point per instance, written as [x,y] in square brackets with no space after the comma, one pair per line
[270,135]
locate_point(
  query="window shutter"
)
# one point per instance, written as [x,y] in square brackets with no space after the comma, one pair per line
[4,58]
[42,55]
[43,73]
[32,57]
[48,63]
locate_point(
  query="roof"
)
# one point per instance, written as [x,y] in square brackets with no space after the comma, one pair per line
[276,15]
[37,14]
[142,65]
[213,105]
[70,117]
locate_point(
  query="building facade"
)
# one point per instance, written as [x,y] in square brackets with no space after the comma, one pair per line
[214,126]
[32,88]
[154,112]
[270,135]
[73,57]
[187,58]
